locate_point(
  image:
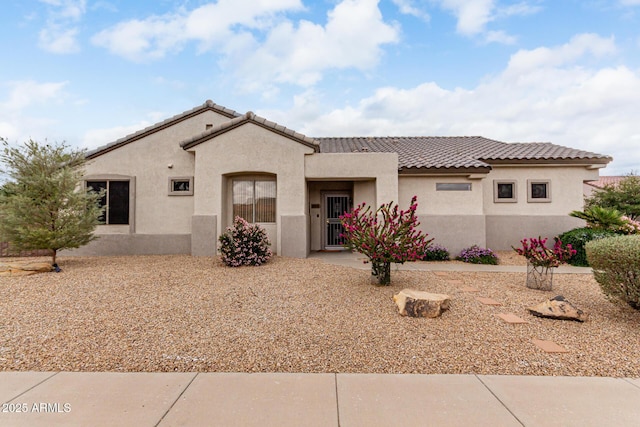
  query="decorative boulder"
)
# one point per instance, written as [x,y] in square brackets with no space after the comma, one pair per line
[421,304]
[22,268]
[558,308]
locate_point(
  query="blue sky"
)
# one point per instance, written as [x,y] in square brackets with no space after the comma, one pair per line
[564,71]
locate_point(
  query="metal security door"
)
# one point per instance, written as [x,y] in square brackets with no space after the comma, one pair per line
[334,206]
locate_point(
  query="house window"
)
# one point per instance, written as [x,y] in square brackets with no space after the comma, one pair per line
[115,200]
[504,192]
[181,186]
[538,191]
[453,186]
[255,200]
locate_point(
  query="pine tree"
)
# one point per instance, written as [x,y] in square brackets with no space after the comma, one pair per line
[43,204]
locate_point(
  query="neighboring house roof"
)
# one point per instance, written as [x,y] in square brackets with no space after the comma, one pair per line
[605,180]
[207,106]
[452,154]
[249,117]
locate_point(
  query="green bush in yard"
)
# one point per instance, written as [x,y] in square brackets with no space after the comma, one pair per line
[578,238]
[616,267]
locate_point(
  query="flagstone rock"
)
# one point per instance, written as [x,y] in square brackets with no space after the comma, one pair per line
[421,304]
[558,308]
[21,268]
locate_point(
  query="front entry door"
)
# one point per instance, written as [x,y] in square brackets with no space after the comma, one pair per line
[335,204]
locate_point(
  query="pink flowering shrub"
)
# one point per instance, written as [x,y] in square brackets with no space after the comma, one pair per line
[244,244]
[384,236]
[630,226]
[539,255]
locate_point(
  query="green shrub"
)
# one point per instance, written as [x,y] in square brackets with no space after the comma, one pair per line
[578,238]
[616,267]
[436,253]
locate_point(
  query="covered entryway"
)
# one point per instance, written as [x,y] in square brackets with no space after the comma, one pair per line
[334,205]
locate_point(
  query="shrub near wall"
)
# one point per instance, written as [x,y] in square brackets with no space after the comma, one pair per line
[616,267]
[578,238]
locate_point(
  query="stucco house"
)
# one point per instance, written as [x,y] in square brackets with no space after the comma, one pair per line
[175,186]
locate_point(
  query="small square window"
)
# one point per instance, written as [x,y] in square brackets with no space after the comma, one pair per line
[538,191]
[181,186]
[504,192]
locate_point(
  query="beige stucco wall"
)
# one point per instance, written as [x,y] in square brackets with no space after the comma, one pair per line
[148,160]
[566,189]
[252,149]
[381,168]
[453,219]
[458,219]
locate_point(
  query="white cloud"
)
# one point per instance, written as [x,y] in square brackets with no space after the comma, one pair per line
[408,7]
[630,2]
[473,15]
[351,38]
[257,41]
[213,25]
[577,47]
[499,37]
[61,31]
[95,138]
[25,93]
[545,99]
[19,104]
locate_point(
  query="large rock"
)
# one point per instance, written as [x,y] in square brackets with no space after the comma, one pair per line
[558,308]
[421,304]
[24,268]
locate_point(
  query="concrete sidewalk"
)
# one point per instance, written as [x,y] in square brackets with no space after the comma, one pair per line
[356,260]
[281,399]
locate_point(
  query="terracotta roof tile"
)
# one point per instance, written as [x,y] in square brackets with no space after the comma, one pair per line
[606,180]
[460,152]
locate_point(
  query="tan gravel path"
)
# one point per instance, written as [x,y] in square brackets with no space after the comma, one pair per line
[182,313]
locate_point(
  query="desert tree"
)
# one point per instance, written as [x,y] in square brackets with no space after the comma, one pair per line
[624,196]
[43,203]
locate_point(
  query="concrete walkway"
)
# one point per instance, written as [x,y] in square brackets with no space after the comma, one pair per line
[356,260]
[278,399]
[281,399]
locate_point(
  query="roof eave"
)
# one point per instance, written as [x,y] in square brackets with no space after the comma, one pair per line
[444,170]
[250,117]
[207,106]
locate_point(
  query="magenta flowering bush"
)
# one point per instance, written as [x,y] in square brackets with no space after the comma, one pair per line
[384,236]
[244,244]
[539,255]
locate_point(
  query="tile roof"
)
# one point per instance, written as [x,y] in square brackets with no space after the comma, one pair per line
[461,152]
[209,105]
[249,117]
[606,180]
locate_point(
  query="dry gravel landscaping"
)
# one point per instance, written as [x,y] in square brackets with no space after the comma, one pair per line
[182,313]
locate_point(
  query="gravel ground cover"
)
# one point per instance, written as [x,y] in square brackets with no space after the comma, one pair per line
[182,313]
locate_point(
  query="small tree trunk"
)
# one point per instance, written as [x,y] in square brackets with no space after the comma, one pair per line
[540,278]
[381,273]
[53,255]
